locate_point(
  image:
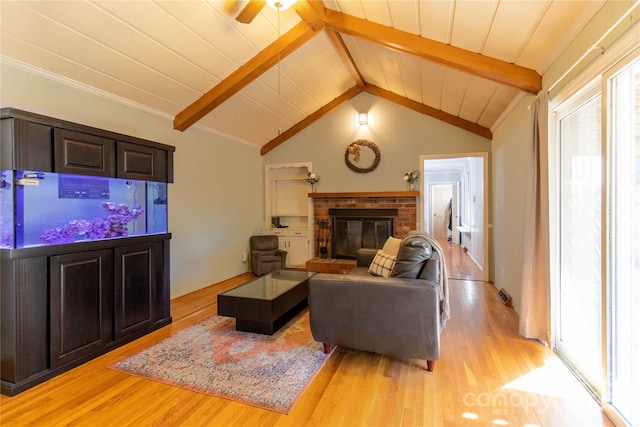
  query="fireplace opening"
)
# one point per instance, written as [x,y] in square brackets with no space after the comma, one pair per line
[353,229]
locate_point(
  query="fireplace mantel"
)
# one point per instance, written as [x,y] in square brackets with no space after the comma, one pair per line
[365,194]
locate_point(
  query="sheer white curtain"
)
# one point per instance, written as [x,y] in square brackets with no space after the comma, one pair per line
[535,319]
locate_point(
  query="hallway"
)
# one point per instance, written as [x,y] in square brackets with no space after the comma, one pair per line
[459,264]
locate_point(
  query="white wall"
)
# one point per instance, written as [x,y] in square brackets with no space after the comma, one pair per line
[510,165]
[216,202]
[510,150]
[402,135]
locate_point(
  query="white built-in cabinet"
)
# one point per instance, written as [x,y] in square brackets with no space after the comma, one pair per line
[287,202]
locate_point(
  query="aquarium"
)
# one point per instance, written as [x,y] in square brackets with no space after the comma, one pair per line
[6,209]
[40,208]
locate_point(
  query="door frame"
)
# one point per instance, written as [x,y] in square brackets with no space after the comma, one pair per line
[486,184]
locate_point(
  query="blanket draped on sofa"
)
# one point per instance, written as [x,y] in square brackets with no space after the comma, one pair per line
[445,310]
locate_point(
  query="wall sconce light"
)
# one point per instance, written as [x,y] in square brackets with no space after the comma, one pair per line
[280,5]
[362,118]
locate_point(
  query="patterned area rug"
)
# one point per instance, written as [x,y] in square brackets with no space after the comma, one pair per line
[269,372]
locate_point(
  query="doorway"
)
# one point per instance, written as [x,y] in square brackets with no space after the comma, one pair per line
[455,192]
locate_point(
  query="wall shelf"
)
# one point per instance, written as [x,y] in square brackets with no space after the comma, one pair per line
[286,198]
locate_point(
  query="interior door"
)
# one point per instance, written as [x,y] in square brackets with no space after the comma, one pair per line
[440,197]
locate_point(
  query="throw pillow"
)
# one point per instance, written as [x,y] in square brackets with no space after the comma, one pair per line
[382,264]
[391,246]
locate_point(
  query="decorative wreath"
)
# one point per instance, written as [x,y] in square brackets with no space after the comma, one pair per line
[352,156]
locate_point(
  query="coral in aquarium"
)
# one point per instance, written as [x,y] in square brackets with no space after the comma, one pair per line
[6,238]
[113,225]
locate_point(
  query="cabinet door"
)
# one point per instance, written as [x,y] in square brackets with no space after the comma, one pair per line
[26,145]
[138,162]
[297,246]
[79,153]
[81,304]
[135,289]
[298,251]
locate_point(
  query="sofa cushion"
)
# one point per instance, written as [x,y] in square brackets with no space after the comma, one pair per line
[382,264]
[359,271]
[391,246]
[414,251]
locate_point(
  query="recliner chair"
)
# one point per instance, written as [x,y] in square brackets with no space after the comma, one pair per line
[265,255]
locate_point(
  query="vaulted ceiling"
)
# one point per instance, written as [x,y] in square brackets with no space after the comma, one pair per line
[460,61]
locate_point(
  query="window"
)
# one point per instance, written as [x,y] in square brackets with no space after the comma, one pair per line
[596,282]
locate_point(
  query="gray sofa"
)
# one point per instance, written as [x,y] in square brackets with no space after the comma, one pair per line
[400,316]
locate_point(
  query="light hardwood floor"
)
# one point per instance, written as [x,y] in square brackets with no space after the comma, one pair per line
[460,264]
[487,375]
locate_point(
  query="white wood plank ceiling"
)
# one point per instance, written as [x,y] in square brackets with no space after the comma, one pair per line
[166,55]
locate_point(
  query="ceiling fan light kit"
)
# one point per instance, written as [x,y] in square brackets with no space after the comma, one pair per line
[280,4]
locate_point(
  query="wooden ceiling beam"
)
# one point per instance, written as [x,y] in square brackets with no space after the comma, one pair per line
[247,73]
[430,111]
[342,50]
[493,69]
[315,116]
[311,12]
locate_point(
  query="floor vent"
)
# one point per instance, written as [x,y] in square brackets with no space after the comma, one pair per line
[504,297]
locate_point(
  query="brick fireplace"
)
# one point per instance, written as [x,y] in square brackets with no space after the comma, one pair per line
[404,201]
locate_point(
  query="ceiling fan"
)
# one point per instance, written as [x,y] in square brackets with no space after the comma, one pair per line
[254,7]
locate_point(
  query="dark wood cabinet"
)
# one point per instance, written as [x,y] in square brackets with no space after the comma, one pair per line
[35,152]
[37,143]
[81,288]
[63,305]
[82,154]
[138,162]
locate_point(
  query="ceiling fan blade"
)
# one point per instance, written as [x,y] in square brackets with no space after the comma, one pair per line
[250,11]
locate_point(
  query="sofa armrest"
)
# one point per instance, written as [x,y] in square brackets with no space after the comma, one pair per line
[392,316]
[365,256]
[283,258]
[431,270]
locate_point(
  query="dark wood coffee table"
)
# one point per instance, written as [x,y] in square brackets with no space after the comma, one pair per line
[267,303]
